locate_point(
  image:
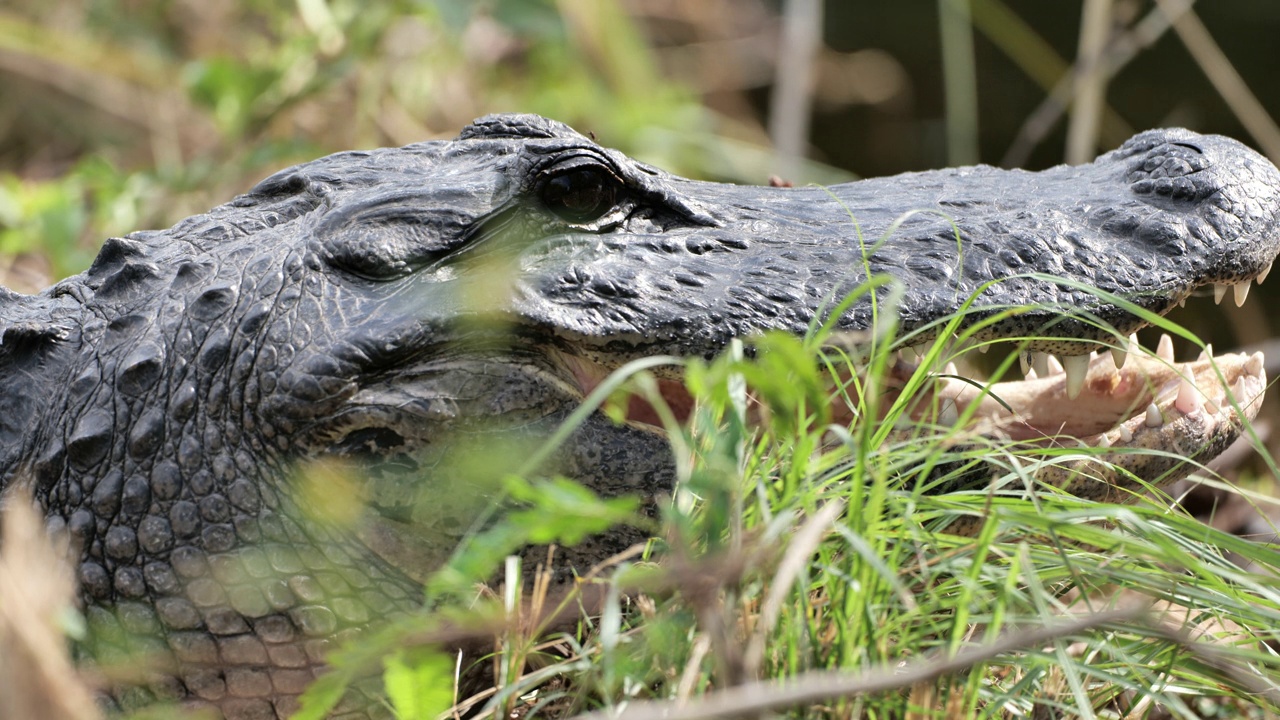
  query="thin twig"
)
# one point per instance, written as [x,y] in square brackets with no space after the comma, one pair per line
[817,686]
[1220,659]
[1122,50]
[693,668]
[793,562]
[1035,57]
[959,81]
[793,84]
[1090,82]
[1226,80]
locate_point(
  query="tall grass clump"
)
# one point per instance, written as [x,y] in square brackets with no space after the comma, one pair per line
[827,554]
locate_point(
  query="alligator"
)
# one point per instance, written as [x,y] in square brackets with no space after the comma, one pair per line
[391,309]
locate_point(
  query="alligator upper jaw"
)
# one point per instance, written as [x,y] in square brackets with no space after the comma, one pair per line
[1179,411]
[1084,251]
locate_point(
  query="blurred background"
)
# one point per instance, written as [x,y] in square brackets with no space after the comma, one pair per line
[119,115]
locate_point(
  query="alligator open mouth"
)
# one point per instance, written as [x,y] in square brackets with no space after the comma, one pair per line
[1147,416]
[1103,400]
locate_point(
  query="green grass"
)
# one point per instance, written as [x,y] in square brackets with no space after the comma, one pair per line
[808,567]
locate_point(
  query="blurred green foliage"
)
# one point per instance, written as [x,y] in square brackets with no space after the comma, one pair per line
[160,110]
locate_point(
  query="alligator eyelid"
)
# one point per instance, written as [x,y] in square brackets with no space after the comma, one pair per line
[565,159]
[560,169]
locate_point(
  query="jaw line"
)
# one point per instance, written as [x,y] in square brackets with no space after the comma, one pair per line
[1150,424]
[1175,412]
[1110,398]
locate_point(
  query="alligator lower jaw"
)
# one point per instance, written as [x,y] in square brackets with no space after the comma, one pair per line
[1177,411]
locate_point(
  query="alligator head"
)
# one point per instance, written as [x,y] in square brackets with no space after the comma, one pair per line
[350,308]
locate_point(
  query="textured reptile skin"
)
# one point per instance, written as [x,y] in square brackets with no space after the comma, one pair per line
[392,306]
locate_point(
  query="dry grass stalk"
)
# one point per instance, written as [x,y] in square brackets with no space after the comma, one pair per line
[37,677]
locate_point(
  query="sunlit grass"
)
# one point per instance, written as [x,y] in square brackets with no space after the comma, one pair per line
[813,568]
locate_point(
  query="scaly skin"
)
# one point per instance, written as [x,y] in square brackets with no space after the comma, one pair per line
[392,308]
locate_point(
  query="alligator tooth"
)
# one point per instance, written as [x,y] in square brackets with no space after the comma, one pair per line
[909,355]
[1055,365]
[1206,353]
[921,350]
[1253,365]
[1126,435]
[1120,353]
[947,414]
[1076,367]
[1239,391]
[1118,356]
[1241,291]
[1024,362]
[1265,272]
[1189,399]
[1164,349]
[1040,363]
[1182,302]
[1219,292]
[1210,406]
[984,348]
[1104,441]
[1153,420]
[951,369]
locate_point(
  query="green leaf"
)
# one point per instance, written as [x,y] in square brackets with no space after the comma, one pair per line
[322,696]
[564,511]
[419,688]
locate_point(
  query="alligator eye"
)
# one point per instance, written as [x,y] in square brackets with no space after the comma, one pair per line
[580,195]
